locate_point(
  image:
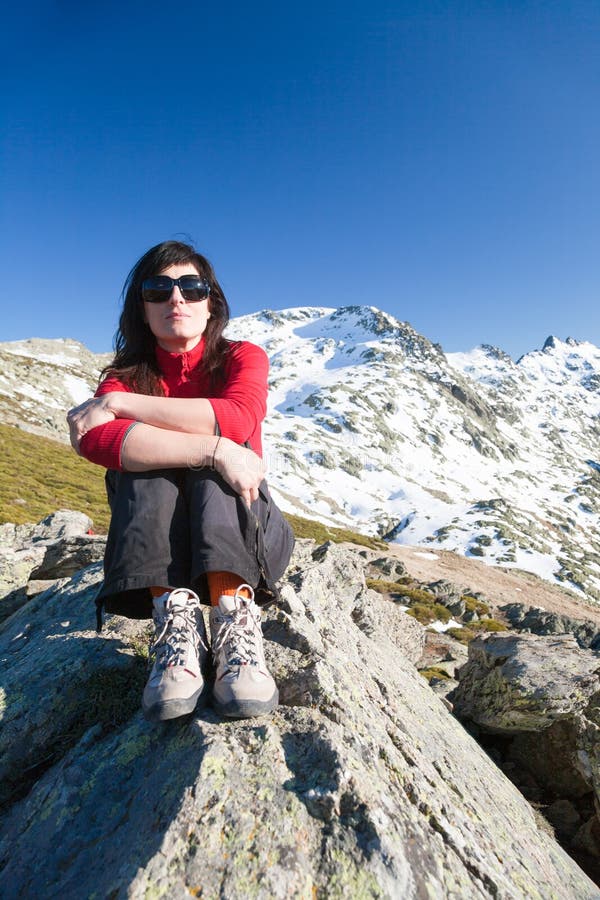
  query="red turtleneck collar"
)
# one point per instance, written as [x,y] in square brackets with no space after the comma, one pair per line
[174,365]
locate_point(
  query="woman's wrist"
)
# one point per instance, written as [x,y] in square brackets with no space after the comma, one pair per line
[111,401]
[214,454]
[219,453]
[206,452]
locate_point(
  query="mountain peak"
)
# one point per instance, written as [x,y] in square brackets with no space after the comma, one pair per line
[554,343]
[493,352]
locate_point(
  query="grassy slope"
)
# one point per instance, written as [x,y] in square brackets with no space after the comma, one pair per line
[39,476]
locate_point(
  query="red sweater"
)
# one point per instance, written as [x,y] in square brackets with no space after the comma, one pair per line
[239,405]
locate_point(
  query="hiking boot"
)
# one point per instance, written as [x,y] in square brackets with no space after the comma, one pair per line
[176,681]
[243,685]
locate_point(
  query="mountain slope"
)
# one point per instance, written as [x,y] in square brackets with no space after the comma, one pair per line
[372,423]
[41,379]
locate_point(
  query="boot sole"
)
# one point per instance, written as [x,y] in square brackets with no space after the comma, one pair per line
[173,709]
[246,709]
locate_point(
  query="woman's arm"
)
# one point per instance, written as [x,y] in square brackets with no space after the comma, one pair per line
[99,426]
[191,415]
[147,447]
[238,409]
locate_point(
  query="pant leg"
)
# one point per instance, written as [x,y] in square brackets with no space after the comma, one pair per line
[226,535]
[148,540]
[276,535]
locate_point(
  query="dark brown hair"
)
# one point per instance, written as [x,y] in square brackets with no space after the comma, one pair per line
[134,362]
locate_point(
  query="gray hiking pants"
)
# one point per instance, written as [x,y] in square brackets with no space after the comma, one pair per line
[171,526]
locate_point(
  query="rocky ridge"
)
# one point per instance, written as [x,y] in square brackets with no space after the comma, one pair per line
[362,784]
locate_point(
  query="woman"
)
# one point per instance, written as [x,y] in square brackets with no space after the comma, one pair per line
[176,420]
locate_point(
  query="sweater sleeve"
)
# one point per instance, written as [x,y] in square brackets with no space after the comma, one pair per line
[102,445]
[242,405]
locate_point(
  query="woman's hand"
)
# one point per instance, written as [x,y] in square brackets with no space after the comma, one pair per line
[82,418]
[241,468]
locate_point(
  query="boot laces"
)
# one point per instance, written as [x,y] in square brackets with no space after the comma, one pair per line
[178,631]
[240,635]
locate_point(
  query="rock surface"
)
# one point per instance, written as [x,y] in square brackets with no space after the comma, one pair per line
[524,682]
[537,620]
[361,784]
[56,547]
[544,693]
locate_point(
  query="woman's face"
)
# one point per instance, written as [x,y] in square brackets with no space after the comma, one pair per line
[177,324]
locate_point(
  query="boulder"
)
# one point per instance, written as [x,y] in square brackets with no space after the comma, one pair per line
[441,647]
[56,547]
[387,568]
[456,607]
[360,785]
[564,817]
[446,592]
[536,620]
[54,662]
[544,692]
[522,682]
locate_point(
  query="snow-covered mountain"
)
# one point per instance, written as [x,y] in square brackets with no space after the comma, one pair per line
[374,427]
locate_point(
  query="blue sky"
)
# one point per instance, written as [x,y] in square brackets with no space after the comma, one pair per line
[438,160]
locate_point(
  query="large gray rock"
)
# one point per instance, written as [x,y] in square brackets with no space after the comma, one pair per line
[536,620]
[524,682]
[54,665]
[385,567]
[545,693]
[360,785]
[56,547]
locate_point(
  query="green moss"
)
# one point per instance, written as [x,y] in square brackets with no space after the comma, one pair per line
[141,644]
[423,604]
[464,635]
[154,892]
[308,528]
[417,595]
[347,879]
[432,672]
[385,587]
[132,749]
[425,613]
[491,625]
[475,629]
[472,604]
[214,768]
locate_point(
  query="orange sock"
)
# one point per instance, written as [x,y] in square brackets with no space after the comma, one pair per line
[158,591]
[220,583]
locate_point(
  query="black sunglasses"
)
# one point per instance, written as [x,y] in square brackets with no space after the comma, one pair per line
[160,287]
